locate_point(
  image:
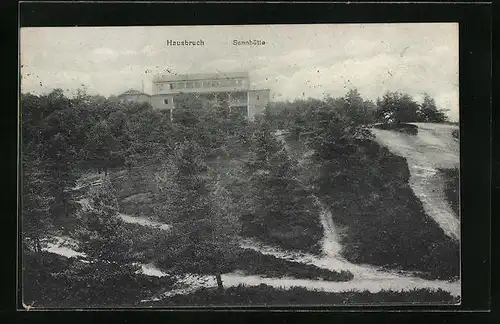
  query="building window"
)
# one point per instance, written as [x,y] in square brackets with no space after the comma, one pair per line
[215,83]
[180,85]
[258,97]
[206,84]
[224,83]
[238,82]
[165,101]
[171,86]
[198,84]
[190,85]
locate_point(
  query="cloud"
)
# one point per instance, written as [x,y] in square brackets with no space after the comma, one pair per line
[103,54]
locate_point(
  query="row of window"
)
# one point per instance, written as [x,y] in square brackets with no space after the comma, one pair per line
[201,84]
[166,101]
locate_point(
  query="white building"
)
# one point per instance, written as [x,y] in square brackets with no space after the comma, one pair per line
[234,88]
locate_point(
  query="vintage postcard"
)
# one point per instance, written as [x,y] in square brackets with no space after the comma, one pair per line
[248,165]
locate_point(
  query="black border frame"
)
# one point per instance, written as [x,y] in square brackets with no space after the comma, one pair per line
[475,24]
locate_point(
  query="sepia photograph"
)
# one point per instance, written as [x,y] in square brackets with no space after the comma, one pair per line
[239,165]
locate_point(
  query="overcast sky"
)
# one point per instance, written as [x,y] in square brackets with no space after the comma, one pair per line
[296,61]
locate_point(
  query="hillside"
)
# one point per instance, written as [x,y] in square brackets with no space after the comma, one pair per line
[125,194]
[434,148]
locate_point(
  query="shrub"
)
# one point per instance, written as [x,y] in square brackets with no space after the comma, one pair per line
[252,262]
[266,295]
[399,127]
[452,188]
[52,281]
[269,266]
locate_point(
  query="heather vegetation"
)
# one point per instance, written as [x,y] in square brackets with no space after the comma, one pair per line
[214,176]
[264,295]
[452,188]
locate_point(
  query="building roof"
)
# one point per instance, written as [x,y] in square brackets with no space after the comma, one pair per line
[199,76]
[132,92]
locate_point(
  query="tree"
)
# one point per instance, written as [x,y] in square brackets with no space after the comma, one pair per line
[264,145]
[354,107]
[396,107]
[204,238]
[281,209]
[150,136]
[188,109]
[429,113]
[101,233]
[101,144]
[36,201]
[109,274]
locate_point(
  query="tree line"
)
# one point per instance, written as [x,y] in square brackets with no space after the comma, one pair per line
[392,107]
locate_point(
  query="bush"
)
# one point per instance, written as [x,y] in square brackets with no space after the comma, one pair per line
[399,127]
[304,237]
[452,188]
[266,295]
[252,262]
[52,281]
[255,263]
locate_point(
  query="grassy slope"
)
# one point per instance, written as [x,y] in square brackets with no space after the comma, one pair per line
[383,220]
[300,234]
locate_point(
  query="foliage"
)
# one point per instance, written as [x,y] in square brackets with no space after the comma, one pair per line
[397,107]
[452,188]
[356,110]
[429,113]
[206,227]
[402,127]
[252,262]
[36,202]
[52,281]
[295,116]
[101,234]
[51,141]
[282,210]
[266,295]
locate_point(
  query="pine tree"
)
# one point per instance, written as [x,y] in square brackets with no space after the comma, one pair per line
[101,144]
[101,233]
[264,145]
[36,201]
[204,238]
